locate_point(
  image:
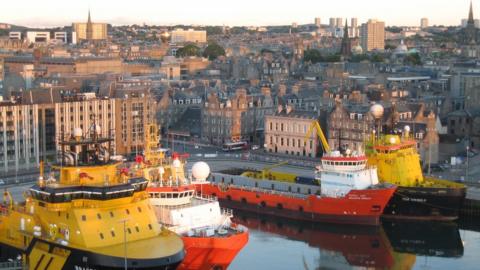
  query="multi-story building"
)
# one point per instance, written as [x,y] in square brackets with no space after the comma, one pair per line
[195,36]
[90,31]
[19,137]
[237,118]
[2,75]
[84,111]
[285,132]
[318,22]
[339,22]
[49,65]
[424,23]
[372,35]
[354,30]
[133,111]
[38,36]
[351,125]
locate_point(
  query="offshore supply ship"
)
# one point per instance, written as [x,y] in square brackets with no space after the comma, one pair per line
[211,239]
[398,163]
[349,192]
[87,215]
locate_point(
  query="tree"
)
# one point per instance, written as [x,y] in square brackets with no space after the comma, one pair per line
[312,55]
[213,50]
[412,59]
[377,58]
[333,58]
[188,50]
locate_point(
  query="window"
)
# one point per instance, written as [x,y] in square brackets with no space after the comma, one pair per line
[112,233]
[101,236]
[128,211]
[84,218]
[99,216]
[129,231]
[139,209]
[150,226]
[111,214]
[137,229]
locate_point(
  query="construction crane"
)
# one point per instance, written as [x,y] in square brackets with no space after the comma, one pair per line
[321,136]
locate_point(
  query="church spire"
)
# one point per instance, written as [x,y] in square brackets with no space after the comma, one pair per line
[89,19]
[346,46]
[470,14]
[89,27]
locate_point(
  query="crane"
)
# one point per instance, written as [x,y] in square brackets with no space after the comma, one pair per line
[269,168]
[321,136]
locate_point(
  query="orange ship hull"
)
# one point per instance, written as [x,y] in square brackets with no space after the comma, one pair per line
[205,253]
[358,207]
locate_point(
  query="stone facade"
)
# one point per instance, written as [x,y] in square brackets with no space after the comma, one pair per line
[285,132]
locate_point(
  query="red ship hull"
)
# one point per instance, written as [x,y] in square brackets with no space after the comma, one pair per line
[358,207]
[205,253]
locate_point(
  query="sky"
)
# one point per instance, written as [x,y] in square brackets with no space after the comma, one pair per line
[46,13]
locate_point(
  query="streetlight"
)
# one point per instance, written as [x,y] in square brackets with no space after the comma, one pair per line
[466,172]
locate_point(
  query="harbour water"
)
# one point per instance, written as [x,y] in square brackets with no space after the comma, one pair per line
[280,244]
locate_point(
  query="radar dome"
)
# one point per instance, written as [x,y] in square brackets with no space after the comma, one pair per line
[200,170]
[77,132]
[377,111]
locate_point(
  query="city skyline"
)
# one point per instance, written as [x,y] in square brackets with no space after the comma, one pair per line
[51,13]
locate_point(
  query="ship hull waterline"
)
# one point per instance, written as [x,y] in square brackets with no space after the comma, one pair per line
[205,253]
[82,259]
[422,203]
[362,207]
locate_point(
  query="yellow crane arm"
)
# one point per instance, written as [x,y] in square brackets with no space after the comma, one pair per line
[321,136]
[268,168]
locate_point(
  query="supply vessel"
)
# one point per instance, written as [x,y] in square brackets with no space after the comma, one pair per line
[87,214]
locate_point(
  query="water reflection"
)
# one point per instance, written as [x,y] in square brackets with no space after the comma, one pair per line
[392,246]
[435,239]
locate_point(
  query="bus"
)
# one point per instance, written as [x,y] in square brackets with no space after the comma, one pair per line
[234,146]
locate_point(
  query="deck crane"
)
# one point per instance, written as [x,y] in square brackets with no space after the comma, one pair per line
[321,136]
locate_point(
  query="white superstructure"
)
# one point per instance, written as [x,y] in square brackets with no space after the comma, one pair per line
[338,174]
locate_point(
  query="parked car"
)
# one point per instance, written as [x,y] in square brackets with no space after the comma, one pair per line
[255,147]
[2,182]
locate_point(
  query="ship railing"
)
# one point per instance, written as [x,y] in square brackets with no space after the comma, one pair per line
[168,183]
[204,197]
[272,191]
[13,265]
